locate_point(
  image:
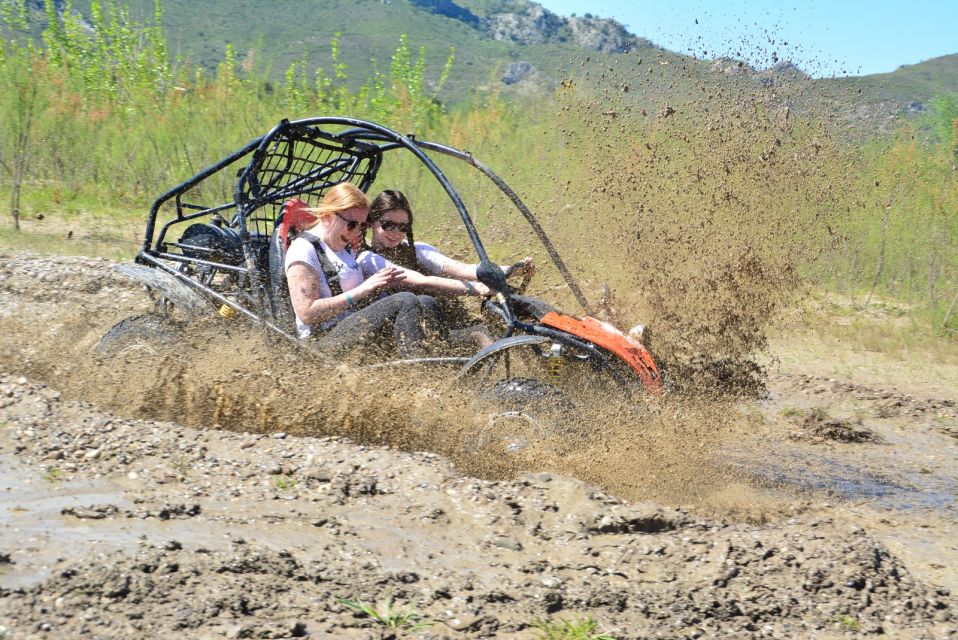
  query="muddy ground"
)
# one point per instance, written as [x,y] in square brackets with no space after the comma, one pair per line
[198,492]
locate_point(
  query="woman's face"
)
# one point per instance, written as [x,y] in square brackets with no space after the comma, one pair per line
[390,229]
[344,228]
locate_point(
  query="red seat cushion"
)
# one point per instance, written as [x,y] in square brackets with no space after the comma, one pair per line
[295,218]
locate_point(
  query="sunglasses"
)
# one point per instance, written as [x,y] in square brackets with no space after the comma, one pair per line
[351,225]
[389,225]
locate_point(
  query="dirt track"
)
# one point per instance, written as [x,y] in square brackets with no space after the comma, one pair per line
[117,525]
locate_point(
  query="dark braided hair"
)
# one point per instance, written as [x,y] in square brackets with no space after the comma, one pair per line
[404,254]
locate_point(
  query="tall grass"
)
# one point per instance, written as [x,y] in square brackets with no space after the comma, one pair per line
[903,242]
[101,114]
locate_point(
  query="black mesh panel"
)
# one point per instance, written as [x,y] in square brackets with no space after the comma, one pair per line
[304,167]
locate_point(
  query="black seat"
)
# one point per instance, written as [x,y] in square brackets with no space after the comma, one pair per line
[289,222]
[216,243]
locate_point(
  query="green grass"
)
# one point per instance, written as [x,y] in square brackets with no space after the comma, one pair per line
[283,482]
[53,474]
[848,623]
[389,615]
[90,237]
[575,629]
[903,336]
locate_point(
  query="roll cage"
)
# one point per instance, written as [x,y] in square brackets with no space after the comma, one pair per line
[302,159]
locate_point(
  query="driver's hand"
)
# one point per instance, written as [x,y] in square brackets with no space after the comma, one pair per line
[482,290]
[527,267]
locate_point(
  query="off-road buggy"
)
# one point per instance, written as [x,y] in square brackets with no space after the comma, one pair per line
[209,257]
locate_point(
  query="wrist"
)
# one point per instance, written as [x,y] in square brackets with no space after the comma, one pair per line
[350,303]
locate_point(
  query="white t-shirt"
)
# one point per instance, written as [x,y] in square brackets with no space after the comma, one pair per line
[350,275]
[430,260]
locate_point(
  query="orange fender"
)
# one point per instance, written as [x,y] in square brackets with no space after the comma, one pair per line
[605,335]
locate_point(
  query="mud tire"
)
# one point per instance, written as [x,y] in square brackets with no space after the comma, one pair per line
[523,412]
[147,333]
[528,394]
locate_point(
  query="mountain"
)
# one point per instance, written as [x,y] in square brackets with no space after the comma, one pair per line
[516,46]
[909,87]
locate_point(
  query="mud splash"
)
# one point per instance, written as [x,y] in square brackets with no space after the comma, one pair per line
[707,199]
[660,450]
[230,377]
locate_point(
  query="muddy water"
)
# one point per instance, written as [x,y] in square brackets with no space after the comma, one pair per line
[49,522]
[30,518]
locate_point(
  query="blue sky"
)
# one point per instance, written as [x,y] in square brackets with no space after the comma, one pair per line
[825,37]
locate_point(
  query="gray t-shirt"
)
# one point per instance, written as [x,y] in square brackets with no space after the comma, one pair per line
[350,275]
[428,257]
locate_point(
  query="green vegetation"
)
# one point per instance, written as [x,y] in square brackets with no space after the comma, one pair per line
[105,122]
[848,623]
[390,616]
[269,38]
[904,244]
[576,629]
[283,482]
[911,83]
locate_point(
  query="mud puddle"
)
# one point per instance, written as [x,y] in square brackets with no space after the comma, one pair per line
[884,459]
[915,513]
[883,485]
[37,535]
[52,519]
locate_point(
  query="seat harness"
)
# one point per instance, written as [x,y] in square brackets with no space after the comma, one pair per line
[329,270]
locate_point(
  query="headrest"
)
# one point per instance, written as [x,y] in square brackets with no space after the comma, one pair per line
[295,216]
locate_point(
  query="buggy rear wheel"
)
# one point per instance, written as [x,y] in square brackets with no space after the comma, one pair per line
[518,394]
[145,333]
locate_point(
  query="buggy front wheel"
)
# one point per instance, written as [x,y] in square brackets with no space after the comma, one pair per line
[523,412]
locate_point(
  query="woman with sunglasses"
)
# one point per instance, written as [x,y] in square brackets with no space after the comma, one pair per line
[391,221]
[342,310]
[392,245]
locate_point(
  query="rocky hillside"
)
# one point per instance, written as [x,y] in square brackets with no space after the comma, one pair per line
[530,23]
[517,46]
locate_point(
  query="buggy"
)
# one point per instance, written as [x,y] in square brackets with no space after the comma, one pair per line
[208,256]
